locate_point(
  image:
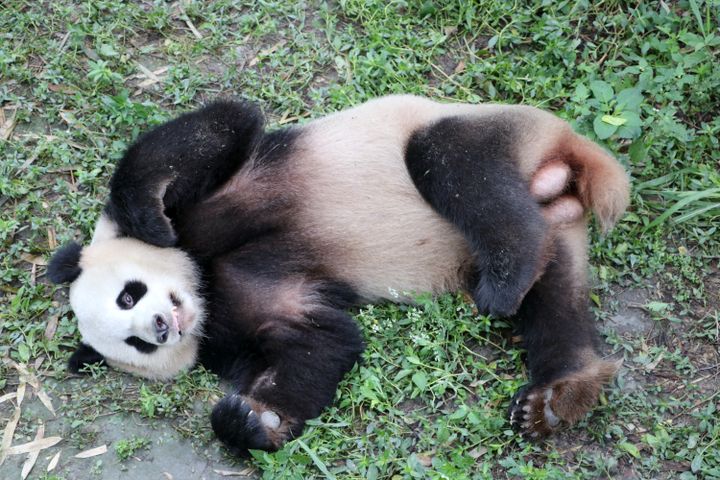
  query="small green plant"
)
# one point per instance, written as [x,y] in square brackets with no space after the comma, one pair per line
[125,449]
[101,73]
[616,114]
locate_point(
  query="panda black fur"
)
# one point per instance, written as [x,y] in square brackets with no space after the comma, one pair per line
[252,245]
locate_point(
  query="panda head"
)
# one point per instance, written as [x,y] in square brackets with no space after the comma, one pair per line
[137,305]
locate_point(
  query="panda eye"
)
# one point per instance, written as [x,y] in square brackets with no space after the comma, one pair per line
[131,294]
[127,300]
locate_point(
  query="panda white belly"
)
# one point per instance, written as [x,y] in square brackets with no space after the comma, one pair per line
[359,204]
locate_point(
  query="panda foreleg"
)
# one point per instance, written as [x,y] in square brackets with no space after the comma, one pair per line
[562,342]
[305,358]
[466,169]
[176,164]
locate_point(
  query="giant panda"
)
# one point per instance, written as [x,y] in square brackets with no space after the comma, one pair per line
[242,249]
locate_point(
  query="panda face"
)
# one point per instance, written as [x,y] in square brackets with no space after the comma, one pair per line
[137,305]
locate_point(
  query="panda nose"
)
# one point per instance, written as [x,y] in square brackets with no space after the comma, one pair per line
[162,330]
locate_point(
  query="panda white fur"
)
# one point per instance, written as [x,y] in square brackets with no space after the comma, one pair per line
[242,249]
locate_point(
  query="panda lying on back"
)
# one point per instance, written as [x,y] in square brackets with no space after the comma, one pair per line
[242,249]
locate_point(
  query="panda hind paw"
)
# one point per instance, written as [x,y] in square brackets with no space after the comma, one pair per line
[538,410]
[531,415]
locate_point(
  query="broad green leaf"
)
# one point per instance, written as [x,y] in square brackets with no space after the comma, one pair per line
[603,130]
[107,50]
[632,119]
[637,152]
[420,379]
[581,93]
[629,448]
[629,99]
[602,90]
[657,307]
[23,353]
[696,463]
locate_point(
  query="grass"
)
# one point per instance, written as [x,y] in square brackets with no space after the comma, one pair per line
[80,80]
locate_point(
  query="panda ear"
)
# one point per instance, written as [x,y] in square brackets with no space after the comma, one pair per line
[83,356]
[64,266]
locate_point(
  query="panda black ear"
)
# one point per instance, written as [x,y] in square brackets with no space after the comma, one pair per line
[83,356]
[64,267]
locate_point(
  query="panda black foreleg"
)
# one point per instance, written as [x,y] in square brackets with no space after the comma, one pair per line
[305,359]
[562,342]
[178,163]
[466,169]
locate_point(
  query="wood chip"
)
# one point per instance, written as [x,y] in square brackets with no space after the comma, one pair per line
[51,327]
[34,259]
[478,452]
[8,396]
[54,461]
[7,123]
[189,23]
[35,445]
[52,239]
[32,456]
[21,391]
[232,473]
[8,434]
[93,452]
[62,89]
[147,72]
[45,399]
[38,361]
[460,67]
[265,52]
[152,77]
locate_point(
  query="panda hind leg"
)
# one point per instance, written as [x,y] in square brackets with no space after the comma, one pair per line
[466,169]
[567,373]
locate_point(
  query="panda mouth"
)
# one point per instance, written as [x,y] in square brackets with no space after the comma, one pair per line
[181,320]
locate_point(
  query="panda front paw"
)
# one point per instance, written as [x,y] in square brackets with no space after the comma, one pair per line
[243,424]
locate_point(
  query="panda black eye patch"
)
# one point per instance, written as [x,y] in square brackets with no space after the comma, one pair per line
[141,345]
[131,294]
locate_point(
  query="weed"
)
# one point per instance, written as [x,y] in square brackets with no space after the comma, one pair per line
[125,449]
